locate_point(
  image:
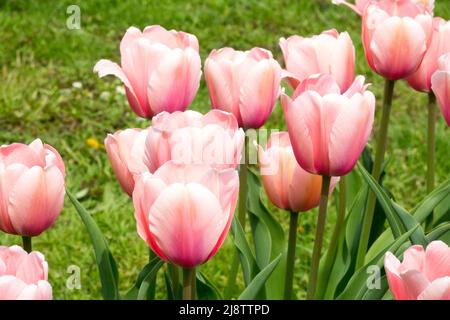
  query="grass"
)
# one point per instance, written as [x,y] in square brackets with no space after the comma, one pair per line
[41,59]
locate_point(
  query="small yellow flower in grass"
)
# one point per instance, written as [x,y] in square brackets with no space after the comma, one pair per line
[93,143]
[301,229]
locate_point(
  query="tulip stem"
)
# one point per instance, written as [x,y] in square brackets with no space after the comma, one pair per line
[242,212]
[319,237]
[27,246]
[376,172]
[291,256]
[431,154]
[332,249]
[189,279]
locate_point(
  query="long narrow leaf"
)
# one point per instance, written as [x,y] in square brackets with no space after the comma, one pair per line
[146,283]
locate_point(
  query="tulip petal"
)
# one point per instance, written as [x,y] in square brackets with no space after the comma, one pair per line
[392,267]
[440,84]
[11,287]
[414,282]
[437,260]
[439,289]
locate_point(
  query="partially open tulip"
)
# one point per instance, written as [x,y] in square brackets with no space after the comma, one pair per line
[440,44]
[125,151]
[192,138]
[160,69]
[247,84]
[395,36]
[23,276]
[440,84]
[329,129]
[330,52]
[32,187]
[423,274]
[184,212]
[287,185]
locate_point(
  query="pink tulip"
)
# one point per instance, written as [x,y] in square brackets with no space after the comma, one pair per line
[192,138]
[23,276]
[330,52]
[423,274]
[184,212]
[247,84]
[32,187]
[440,84]
[329,129]
[125,151]
[161,69]
[287,185]
[395,36]
[440,44]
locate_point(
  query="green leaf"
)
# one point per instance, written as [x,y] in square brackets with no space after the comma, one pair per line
[169,289]
[431,201]
[107,268]
[441,232]
[248,262]
[206,290]
[268,238]
[132,294]
[148,279]
[259,281]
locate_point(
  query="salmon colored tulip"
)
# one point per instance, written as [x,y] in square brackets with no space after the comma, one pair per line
[247,84]
[184,212]
[23,276]
[287,185]
[160,69]
[395,36]
[440,84]
[32,187]
[440,44]
[125,151]
[423,274]
[330,52]
[192,138]
[329,129]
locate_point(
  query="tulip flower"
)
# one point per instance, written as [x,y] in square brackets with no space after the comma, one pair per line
[330,52]
[160,69]
[247,84]
[395,37]
[421,79]
[288,187]
[192,138]
[32,188]
[125,151]
[23,276]
[423,274]
[360,5]
[440,84]
[329,129]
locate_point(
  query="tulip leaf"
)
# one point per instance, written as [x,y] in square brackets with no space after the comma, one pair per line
[107,268]
[268,238]
[132,294]
[258,282]
[149,278]
[441,232]
[168,281]
[206,290]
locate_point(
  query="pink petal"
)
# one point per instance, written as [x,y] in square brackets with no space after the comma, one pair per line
[439,289]
[11,287]
[392,267]
[437,260]
[440,84]
[414,283]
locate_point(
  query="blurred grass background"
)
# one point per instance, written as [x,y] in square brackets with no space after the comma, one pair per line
[48,90]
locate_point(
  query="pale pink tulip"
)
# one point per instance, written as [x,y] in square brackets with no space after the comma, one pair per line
[360,5]
[440,44]
[192,138]
[247,84]
[23,276]
[184,212]
[440,84]
[423,274]
[329,129]
[395,36]
[160,70]
[125,151]
[330,52]
[287,185]
[32,187]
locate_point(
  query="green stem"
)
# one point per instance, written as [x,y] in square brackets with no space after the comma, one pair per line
[291,256]
[332,249]
[27,246]
[174,273]
[242,212]
[431,142]
[319,237]
[189,283]
[376,171]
